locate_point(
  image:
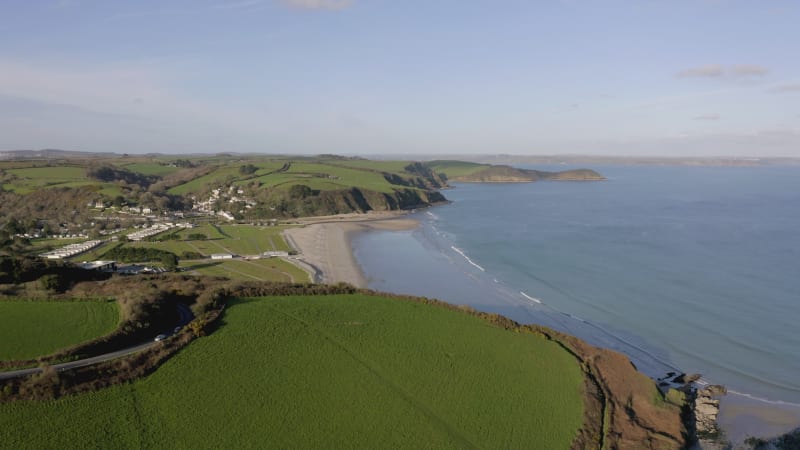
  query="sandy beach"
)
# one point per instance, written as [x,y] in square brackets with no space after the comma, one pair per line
[323,243]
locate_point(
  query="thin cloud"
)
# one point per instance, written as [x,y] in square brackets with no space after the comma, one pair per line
[749,70]
[718,71]
[783,88]
[710,71]
[318,4]
[714,116]
[238,4]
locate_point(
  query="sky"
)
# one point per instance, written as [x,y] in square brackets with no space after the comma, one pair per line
[371,77]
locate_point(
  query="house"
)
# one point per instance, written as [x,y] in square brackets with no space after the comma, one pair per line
[226,215]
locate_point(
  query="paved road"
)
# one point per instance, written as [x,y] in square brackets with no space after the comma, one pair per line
[184,313]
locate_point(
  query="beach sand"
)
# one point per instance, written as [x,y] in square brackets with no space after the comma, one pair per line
[323,243]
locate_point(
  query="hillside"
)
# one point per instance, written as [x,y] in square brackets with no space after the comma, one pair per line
[353,370]
[466,172]
[246,187]
[329,372]
[32,329]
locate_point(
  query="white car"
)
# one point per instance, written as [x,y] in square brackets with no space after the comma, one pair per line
[160,337]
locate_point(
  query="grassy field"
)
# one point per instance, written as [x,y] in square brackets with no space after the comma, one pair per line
[223,173]
[29,179]
[53,243]
[328,372]
[236,239]
[455,169]
[320,175]
[151,169]
[31,329]
[199,183]
[271,269]
[397,167]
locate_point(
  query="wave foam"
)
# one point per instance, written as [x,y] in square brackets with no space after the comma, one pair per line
[530,298]
[461,252]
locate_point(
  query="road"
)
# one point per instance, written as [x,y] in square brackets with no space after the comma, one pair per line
[184,313]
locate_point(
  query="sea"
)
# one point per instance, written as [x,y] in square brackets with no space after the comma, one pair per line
[683,269]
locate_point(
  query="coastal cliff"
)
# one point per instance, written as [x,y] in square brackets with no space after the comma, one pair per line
[624,408]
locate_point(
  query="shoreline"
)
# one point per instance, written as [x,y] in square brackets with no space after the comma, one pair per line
[326,248]
[324,243]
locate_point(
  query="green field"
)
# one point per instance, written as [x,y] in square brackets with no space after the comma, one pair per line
[222,174]
[397,167]
[156,169]
[236,239]
[29,179]
[455,169]
[328,372]
[319,175]
[32,329]
[251,240]
[270,269]
[215,177]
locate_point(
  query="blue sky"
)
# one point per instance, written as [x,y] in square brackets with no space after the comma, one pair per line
[624,77]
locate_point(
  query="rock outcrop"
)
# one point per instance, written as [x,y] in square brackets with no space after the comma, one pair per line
[706,409]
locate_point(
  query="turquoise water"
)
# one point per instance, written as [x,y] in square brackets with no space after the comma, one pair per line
[690,269]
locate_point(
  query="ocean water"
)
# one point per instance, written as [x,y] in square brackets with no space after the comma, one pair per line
[690,269]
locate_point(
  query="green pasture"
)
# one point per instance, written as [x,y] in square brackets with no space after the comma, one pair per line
[30,179]
[55,173]
[42,244]
[268,269]
[251,240]
[397,167]
[455,169]
[345,177]
[156,169]
[32,329]
[328,372]
[235,239]
[226,173]
[219,175]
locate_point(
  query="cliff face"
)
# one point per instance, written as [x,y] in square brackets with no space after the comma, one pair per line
[308,202]
[508,174]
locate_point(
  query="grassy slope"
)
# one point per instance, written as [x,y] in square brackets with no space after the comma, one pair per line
[455,169]
[31,329]
[320,174]
[329,372]
[146,168]
[30,179]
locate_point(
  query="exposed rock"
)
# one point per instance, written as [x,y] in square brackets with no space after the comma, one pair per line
[716,390]
[706,409]
[685,379]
